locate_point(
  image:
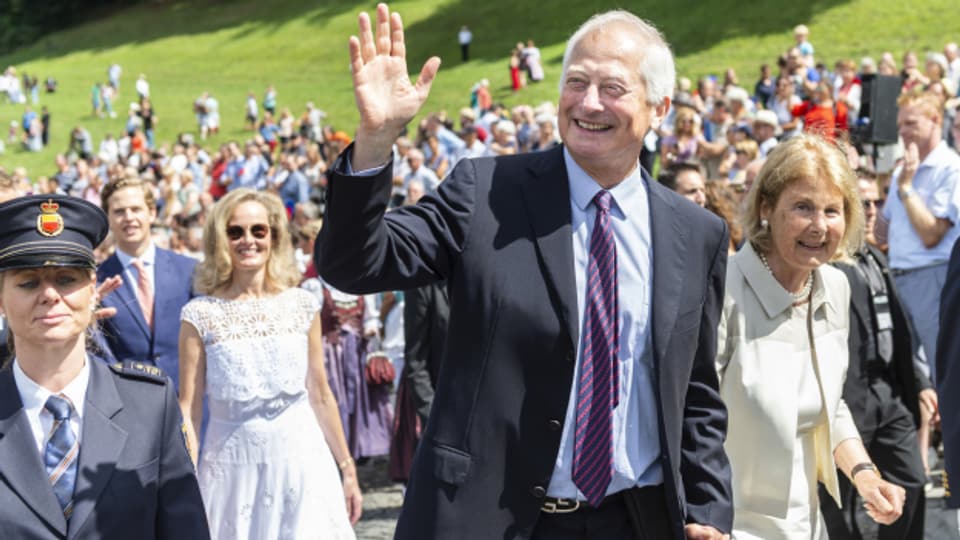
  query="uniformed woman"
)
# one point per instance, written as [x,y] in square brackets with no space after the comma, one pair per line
[87,451]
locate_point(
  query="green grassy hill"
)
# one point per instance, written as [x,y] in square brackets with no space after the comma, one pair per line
[231,47]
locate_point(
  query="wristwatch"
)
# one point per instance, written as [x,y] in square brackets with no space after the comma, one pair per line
[860,467]
[905,193]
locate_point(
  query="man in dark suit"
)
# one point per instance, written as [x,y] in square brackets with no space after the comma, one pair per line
[146,326]
[578,396]
[426,316]
[888,393]
[948,373]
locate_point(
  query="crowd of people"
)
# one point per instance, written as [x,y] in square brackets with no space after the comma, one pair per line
[300,290]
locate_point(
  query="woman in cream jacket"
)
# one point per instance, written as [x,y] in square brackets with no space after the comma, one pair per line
[782,355]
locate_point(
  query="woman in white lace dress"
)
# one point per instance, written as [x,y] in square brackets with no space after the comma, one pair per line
[274,462]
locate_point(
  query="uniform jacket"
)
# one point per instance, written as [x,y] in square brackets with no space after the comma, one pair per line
[127,335]
[134,478]
[499,232]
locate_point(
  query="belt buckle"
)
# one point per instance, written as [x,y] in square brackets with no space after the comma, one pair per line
[560,506]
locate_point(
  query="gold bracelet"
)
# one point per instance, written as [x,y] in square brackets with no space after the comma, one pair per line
[345,463]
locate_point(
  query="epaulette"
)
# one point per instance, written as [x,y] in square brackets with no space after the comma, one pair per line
[141,371]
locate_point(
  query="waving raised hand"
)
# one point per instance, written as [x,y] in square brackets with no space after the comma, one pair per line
[386,98]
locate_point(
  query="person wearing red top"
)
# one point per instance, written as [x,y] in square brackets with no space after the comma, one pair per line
[821,115]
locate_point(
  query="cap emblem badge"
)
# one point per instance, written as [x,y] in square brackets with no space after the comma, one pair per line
[49,222]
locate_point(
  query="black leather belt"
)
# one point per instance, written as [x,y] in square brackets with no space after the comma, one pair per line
[553,505]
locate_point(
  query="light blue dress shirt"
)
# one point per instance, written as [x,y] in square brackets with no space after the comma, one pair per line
[937,183]
[636,439]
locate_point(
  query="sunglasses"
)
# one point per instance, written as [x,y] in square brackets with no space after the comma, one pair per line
[258,231]
[867,203]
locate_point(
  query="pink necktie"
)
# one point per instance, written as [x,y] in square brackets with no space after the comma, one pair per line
[144,292]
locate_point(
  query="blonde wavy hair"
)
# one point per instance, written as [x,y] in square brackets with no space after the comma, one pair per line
[216,270]
[805,156]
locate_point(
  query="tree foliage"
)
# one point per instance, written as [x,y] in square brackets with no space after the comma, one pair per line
[24,21]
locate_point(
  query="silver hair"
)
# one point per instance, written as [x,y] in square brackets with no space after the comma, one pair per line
[656,65]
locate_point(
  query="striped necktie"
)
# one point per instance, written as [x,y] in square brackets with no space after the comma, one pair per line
[60,454]
[598,385]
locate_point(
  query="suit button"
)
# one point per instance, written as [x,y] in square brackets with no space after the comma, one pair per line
[538,492]
[554,425]
[571,357]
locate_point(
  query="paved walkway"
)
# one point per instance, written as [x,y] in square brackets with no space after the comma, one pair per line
[382,500]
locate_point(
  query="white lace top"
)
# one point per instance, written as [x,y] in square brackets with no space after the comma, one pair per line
[255,349]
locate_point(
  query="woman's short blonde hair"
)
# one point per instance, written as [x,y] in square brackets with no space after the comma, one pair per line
[216,270]
[805,156]
[748,148]
[686,113]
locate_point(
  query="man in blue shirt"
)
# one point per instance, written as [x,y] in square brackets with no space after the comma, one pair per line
[922,209]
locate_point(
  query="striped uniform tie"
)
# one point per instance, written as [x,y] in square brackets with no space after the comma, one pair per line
[598,385]
[60,455]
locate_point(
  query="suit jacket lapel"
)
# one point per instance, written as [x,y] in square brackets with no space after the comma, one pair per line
[126,295]
[546,196]
[669,251]
[166,278]
[20,463]
[100,446]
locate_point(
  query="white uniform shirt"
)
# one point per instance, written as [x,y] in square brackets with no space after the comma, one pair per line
[34,397]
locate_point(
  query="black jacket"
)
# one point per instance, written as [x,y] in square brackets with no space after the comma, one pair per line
[905,368]
[426,313]
[499,232]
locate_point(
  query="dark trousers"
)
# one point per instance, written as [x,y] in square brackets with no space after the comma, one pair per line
[465,52]
[640,514]
[893,446]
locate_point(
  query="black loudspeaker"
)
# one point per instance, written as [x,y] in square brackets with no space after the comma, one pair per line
[877,123]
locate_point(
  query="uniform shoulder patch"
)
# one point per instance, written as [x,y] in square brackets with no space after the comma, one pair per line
[140,371]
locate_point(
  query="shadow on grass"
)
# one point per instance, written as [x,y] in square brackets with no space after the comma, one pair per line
[690,25]
[159,19]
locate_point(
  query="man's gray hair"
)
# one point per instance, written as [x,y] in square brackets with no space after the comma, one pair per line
[656,66]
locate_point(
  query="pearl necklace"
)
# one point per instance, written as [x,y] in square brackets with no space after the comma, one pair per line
[798,297]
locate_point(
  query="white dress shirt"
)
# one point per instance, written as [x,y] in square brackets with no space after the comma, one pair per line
[34,397]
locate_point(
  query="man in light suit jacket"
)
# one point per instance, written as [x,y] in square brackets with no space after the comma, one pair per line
[501,455]
[129,335]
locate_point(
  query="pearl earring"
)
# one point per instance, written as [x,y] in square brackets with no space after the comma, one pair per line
[764,224]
